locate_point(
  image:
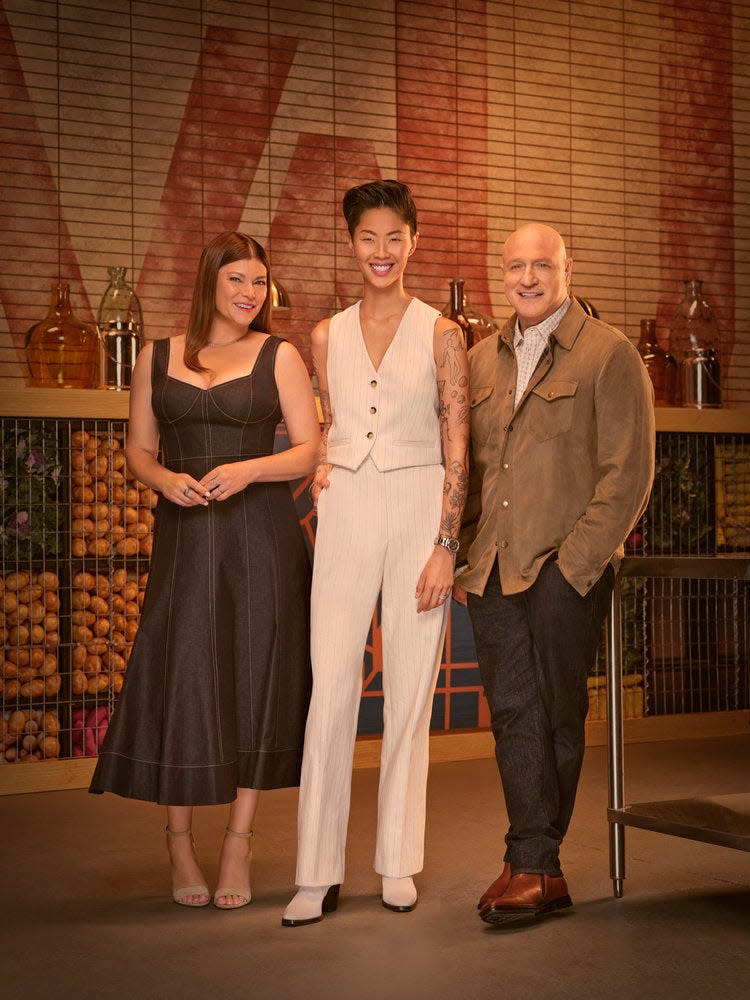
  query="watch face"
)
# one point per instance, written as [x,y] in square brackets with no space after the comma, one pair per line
[452,544]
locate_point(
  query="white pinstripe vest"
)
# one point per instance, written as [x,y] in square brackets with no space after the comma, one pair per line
[391,413]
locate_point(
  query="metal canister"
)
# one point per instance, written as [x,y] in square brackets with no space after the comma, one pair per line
[700,379]
[122,341]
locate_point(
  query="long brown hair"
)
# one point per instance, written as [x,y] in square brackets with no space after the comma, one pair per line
[225,248]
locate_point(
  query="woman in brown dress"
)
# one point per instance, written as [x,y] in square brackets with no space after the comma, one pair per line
[215,698]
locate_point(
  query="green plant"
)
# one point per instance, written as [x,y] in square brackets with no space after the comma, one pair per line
[29,486]
[678,516]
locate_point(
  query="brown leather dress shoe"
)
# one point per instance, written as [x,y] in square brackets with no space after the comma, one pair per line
[527,896]
[497,888]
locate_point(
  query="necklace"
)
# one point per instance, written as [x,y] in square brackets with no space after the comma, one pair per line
[225,343]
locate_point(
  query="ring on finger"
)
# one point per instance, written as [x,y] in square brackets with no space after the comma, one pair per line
[186,491]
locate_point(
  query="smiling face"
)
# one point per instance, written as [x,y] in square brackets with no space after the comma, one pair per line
[536,272]
[241,289]
[382,244]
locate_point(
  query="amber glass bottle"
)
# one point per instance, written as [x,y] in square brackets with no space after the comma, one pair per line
[455,311]
[62,351]
[459,309]
[661,366]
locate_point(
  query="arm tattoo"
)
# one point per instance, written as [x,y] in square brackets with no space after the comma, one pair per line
[453,416]
[325,406]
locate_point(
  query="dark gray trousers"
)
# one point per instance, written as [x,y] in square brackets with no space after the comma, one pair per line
[535,651]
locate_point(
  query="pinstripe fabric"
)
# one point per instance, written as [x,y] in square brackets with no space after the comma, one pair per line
[373,529]
[390,412]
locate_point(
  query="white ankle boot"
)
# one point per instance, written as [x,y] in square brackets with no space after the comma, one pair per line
[399,894]
[309,905]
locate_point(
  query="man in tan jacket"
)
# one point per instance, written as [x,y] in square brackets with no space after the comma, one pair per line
[562,430]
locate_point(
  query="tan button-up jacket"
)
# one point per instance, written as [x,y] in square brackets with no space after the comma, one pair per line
[568,470]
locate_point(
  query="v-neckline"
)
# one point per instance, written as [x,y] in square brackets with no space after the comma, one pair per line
[393,338]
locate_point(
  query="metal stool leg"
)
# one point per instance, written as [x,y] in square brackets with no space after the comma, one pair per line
[615,742]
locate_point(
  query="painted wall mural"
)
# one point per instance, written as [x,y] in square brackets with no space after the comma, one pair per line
[134,137]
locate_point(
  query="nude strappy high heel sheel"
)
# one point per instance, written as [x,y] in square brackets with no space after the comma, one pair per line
[244,893]
[181,894]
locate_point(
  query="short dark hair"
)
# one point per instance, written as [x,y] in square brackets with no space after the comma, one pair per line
[379,194]
[226,248]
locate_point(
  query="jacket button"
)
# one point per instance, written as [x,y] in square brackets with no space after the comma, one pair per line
[550,394]
[374,383]
[373,409]
[504,544]
[506,503]
[505,465]
[370,434]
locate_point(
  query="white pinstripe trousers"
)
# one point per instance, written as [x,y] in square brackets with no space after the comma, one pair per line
[375,530]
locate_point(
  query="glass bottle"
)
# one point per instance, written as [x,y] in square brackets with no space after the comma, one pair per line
[62,350]
[694,341]
[120,324]
[661,366]
[475,324]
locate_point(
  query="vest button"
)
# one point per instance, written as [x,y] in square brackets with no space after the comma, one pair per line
[506,503]
[373,409]
[370,434]
[374,383]
[503,544]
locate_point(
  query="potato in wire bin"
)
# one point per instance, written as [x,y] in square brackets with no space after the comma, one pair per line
[111,512]
[104,621]
[30,633]
[29,735]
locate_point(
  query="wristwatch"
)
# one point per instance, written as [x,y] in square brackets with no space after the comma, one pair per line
[452,544]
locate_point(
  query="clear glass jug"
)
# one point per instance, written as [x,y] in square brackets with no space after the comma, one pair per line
[120,324]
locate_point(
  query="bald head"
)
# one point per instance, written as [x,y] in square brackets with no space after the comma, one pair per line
[538,234]
[536,272]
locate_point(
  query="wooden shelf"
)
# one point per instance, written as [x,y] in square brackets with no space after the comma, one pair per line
[104,404]
[113,404]
[108,404]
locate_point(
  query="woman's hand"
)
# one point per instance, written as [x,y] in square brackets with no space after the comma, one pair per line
[320,482]
[183,490]
[226,480]
[435,582]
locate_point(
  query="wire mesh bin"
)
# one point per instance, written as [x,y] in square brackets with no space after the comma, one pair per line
[76,543]
[684,641]
[695,641]
[76,540]
[34,719]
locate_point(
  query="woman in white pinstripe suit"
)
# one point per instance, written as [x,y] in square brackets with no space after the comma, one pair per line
[390,491]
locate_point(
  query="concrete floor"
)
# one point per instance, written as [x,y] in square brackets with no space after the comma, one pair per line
[86,911]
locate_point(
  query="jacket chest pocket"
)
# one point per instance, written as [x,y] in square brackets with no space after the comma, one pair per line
[551,408]
[483,413]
